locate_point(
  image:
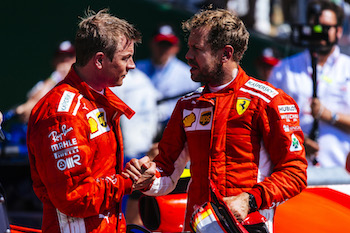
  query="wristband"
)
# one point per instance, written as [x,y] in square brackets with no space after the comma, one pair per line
[335,118]
[252,203]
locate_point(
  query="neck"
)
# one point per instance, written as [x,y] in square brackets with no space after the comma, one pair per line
[89,77]
[229,72]
[322,58]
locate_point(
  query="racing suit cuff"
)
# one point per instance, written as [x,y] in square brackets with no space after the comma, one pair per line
[128,186]
[257,195]
[150,185]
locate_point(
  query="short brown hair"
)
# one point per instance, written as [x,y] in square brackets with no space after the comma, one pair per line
[322,5]
[101,32]
[224,29]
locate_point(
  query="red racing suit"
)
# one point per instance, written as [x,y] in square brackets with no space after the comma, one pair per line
[245,138]
[75,151]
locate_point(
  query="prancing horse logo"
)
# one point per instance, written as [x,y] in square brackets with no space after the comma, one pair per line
[242,105]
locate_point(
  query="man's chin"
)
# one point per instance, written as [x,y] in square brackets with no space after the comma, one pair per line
[117,84]
[195,78]
[325,50]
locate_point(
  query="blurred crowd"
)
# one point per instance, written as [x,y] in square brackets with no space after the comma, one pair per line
[153,88]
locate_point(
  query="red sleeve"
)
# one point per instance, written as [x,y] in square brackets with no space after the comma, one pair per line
[75,191]
[172,142]
[283,141]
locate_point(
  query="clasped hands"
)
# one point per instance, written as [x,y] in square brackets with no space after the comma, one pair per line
[141,171]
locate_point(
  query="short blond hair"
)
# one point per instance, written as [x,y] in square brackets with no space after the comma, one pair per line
[101,32]
[224,29]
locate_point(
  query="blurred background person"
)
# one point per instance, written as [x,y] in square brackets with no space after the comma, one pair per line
[62,61]
[138,93]
[138,133]
[331,108]
[169,75]
[265,63]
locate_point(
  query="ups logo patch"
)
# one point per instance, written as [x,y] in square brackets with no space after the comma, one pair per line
[205,118]
[101,118]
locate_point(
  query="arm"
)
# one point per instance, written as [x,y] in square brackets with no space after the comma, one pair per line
[149,180]
[320,112]
[171,160]
[37,92]
[283,142]
[65,177]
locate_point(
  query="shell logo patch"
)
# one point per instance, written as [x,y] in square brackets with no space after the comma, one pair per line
[188,120]
[205,118]
[93,125]
[197,119]
[98,122]
[242,105]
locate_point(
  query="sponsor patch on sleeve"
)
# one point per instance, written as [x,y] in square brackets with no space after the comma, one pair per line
[287,108]
[270,91]
[295,145]
[66,101]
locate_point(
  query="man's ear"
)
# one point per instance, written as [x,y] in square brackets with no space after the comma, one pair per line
[227,53]
[339,32]
[98,59]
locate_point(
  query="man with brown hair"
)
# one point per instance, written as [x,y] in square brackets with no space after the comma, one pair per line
[325,103]
[74,139]
[235,130]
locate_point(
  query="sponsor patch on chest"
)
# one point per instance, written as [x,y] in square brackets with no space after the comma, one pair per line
[97,120]
[197,119]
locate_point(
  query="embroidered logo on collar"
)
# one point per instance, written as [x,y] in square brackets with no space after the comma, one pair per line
[189,119]
[242,105]
[205,118]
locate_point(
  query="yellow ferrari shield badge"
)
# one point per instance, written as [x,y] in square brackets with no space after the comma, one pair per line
[242,105]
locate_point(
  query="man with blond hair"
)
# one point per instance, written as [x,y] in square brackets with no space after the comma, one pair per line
[74,139]
[235,130]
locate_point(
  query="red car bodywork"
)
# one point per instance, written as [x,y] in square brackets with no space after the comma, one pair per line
[316,209]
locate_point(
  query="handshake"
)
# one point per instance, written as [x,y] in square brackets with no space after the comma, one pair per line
[141,171]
